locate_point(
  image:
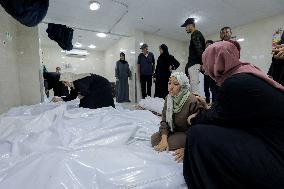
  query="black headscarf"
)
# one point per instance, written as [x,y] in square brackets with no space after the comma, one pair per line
[165,50]
[122,61]
[30,13]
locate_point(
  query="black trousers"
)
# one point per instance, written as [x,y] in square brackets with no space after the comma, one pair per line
[146,85]
[218,157]
[209,83]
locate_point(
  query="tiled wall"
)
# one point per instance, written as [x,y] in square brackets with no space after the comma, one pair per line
[131,47]
[19,64]
[9,79]
[258,36]
[178,49]
[29,64]
[93,63]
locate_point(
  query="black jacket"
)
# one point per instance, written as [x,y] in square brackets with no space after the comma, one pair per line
[96,90]
[196,48]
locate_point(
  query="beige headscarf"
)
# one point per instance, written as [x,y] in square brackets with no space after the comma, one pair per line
[71,77]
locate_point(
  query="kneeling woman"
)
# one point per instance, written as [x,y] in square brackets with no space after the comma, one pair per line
[180,104]
[94,91]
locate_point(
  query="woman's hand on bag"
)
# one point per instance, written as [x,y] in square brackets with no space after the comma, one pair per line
[56,99]
[162,146]
[191,117]
[179,155]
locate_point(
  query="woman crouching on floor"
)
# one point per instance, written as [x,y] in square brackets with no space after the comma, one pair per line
[180,105]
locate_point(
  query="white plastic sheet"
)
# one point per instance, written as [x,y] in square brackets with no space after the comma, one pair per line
[152,104]
[61,146]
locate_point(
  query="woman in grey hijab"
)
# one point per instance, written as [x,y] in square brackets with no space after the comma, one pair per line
[122,73]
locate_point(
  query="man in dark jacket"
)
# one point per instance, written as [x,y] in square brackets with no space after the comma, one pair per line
[226,35]
[196,48]
[145,70]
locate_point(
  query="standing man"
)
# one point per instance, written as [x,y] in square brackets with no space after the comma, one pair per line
[226,35]
[196,48]
[145,70]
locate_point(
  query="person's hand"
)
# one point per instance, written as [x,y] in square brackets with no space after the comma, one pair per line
[179,155]
[191,117]
[171,68]
[162,146]
[201,101]
[278,52]
[80,96]
[56,99]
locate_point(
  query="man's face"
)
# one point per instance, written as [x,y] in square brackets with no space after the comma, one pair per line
[189,28]
[145,51]
[226,34]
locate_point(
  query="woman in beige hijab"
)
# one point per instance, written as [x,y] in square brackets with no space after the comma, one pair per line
[94,91]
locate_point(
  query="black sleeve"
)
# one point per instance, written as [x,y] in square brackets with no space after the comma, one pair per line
[237,104]
[174,63]
[83,86]
[197,41]
[153,64]
[73,95]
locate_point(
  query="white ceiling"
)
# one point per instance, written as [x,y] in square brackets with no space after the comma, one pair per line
[162,17]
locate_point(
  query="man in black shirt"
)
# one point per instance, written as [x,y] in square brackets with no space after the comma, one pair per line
[196,48]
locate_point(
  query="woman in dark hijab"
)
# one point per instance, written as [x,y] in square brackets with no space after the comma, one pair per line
[122,73]
[238,142]
[165,64]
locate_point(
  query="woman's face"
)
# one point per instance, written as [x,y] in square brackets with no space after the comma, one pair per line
[173,86]
[161,50]
[122,57]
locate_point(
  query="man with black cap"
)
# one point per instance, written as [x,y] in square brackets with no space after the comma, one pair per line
[145,70]
[196,48]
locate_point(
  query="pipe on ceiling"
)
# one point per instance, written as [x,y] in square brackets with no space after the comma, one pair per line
[121,17]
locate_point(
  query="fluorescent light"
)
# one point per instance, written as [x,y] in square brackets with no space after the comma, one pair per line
[141,44]
[122,50]
[63,57]
[81,52]
[92,46]
[94,5]
[102,35]
[62,51]
[132,52]
[78,45]
[83,59]
[241,40]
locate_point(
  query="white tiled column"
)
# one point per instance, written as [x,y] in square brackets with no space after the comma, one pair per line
[28,64]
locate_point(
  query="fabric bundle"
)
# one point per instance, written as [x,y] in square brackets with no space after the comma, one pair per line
[29,13]
[62,34]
